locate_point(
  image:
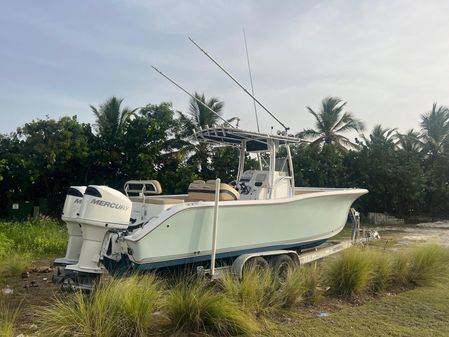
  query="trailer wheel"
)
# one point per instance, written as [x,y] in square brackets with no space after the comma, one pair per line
[258,263]
[281,264]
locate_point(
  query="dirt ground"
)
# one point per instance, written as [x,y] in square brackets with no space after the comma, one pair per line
[34,290]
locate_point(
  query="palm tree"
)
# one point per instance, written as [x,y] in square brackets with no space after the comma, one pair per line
[331,122]
[380,136]
[410,141]
[435,126]
[199,117]
[111,120]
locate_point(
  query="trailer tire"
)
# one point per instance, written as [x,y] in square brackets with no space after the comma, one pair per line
[281,264]
[258,263]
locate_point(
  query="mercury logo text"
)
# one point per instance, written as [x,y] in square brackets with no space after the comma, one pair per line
[109,204]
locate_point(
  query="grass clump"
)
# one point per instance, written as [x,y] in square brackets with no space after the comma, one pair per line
[257,292]
[193,307]
[400,276]
[42,238]
[348,274]
[422,265]
[121,308]
[429,264]
[381,272]
[139,297]
[300,286]
[8,317]
[15,264]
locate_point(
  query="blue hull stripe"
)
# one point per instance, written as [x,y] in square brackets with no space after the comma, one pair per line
[124,263]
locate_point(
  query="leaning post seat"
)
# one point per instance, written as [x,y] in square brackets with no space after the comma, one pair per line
[142,188]
[199,190]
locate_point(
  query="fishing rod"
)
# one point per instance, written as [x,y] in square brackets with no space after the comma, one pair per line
[241,86]
[251,79]
[259,160]
[192,96]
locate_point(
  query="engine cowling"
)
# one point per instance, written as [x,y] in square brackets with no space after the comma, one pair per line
[70,213]
[102,209]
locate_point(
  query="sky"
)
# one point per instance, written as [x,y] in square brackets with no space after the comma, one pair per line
[388,59]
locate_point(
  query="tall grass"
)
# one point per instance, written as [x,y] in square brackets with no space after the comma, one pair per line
[349,273]
[122,307]
[194,307]
[42,238]
[300,286]
[14,264]
[258,291]
[381,271]
[8,317]
[428,264]
[356,270]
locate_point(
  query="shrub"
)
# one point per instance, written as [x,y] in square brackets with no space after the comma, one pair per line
[121,307]
[193,307]
[348,274]
[257,292]
[8,316]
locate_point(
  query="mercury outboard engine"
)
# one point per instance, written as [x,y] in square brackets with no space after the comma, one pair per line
[70,212]
[102,210]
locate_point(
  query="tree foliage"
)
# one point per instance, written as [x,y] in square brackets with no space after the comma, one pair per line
[404,173]
[330,124]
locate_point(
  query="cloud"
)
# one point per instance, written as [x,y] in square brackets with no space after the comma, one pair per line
[387,58]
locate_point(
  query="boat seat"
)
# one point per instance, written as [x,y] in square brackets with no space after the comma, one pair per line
[139,187]
[164,201]
[199,190]
[157,201]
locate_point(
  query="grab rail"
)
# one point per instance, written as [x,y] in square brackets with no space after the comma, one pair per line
[215,228]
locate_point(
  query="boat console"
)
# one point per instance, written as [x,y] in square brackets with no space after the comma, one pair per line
[255,185]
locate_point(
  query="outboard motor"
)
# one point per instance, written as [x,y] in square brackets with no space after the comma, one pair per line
[103,209]
[70,212]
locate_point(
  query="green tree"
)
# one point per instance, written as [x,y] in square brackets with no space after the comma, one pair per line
[110,125]
[331,121]
[54,155]
[151,147]
[435,126]
[410,142]
[111,120]
[315,166]
[393,177]
[199,117]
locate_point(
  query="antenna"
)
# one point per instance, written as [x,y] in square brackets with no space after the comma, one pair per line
[251,80]
[241,86]
[192,96]
[252,92]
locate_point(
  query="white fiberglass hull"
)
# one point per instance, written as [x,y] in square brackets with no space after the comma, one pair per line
[183,233]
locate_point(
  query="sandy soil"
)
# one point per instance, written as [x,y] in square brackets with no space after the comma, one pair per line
[437,232]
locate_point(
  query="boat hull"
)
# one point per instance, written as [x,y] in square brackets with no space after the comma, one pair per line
[184,234]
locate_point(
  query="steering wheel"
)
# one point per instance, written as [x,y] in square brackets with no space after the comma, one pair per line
[243,188]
